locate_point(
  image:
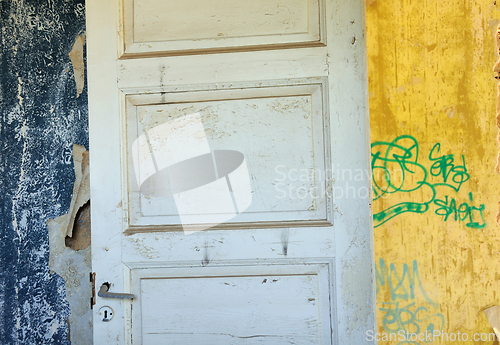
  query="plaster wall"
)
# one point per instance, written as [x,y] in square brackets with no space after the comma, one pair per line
[434,153]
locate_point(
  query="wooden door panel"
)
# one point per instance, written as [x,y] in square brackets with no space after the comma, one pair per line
[270,304]
[197,26]
[289,186]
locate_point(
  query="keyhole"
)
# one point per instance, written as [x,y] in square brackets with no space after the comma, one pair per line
[106,314]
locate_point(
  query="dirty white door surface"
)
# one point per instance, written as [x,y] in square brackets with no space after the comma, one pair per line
[229,171]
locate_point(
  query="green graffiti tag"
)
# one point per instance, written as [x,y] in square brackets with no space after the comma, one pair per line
[463,212]
[444,166]
[396,169]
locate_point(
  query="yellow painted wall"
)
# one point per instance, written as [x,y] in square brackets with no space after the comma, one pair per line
[434,149]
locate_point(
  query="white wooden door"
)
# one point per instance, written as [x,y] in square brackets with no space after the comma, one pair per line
[229,171]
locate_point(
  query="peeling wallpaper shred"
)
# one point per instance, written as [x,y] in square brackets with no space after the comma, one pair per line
[41,118]
[74,263]
[76,56]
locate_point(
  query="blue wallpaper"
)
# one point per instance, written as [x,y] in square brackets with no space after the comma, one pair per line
[41,118]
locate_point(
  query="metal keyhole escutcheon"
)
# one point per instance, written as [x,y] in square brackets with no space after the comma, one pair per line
[106,314]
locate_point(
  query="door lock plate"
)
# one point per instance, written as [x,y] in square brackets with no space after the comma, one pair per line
[106,314]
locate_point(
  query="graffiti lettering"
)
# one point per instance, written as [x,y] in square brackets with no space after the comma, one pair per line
[402,314]
[410,321]
[396,283]
[444,166]
[463,212]
[396,169]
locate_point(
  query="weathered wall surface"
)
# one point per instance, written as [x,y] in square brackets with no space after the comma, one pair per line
[434,151]
[432,103]
[43,113]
